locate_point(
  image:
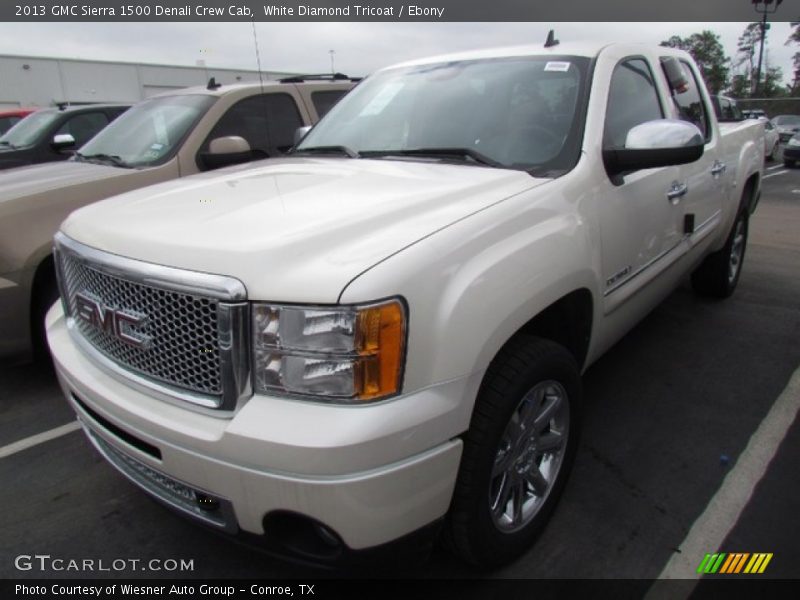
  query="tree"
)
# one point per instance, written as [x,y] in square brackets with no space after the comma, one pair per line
[794,38]
[747,44]
[773,83]
[709,55]
[746,47]
[740,86]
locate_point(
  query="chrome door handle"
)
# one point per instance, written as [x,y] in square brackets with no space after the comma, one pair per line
[718,168]
[677,191]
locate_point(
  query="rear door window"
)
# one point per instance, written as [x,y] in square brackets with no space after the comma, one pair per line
[325,100]
[689,103]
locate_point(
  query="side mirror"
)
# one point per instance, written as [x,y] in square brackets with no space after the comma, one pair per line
[232,144]
[300,133]
[226,151]
[660,143]
[62,141]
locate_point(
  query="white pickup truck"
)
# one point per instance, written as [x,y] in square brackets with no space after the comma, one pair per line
[382,335]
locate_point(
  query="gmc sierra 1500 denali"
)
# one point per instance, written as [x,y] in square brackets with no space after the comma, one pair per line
[385,331]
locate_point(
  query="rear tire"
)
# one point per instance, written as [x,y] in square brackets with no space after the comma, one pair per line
[719,273]
[788,163]
[517,453]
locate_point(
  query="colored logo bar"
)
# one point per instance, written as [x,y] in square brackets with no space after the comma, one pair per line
[734,562]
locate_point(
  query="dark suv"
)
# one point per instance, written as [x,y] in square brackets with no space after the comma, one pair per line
[53,133]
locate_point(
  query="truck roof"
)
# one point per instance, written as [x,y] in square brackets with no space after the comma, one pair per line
[589,49]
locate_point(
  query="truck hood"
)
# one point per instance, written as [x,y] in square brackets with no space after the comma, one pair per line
[294,229]
[35,179]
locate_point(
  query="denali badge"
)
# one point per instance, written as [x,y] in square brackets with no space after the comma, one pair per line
[110,320]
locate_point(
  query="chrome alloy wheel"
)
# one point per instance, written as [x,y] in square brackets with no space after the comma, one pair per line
[737,250]
[529,456]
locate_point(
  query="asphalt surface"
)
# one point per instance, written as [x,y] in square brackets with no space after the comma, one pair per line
[667,413]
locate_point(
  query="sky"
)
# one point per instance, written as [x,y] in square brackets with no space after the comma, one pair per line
[359,48]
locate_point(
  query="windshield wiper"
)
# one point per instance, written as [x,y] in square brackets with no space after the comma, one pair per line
[104,158]
[462,153]
[344,150]
[9,144]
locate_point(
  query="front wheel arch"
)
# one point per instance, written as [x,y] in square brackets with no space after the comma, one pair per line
[44,292]
[525,365]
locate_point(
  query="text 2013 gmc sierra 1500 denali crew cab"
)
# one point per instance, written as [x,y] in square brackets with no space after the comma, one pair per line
[385,331]
[171,135]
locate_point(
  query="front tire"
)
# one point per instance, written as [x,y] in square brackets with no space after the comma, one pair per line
[517,453]
[719,273]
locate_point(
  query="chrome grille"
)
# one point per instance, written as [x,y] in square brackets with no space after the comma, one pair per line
[179,335]
[182,328]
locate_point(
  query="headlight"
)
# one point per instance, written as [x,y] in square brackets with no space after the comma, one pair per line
[794,142]
[346,354]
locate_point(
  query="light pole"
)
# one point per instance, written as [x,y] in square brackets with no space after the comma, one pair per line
[765,10]
[332,52]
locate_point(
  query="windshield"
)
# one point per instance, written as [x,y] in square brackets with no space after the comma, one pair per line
[149,133]
[28,131]
[787,120]
[521,112]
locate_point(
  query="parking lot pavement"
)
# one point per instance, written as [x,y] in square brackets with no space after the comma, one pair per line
[769,523]
[30,402]
[668,413]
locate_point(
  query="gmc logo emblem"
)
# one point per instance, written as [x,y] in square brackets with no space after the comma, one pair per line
[109,320]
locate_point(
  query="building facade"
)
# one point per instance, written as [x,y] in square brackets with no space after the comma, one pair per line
[30,81]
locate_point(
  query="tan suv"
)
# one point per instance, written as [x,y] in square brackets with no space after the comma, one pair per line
[162,138]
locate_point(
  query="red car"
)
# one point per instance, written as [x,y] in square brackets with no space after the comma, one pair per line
[9,118]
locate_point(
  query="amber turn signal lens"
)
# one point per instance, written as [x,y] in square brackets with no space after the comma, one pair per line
[380,340]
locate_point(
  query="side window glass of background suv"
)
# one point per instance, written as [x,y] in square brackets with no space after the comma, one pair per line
[689,104]
[632,100]
[114,112]
[325,100]
[267,122]
[84,127]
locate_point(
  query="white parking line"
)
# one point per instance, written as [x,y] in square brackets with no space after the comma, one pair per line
[723,511]
[39,438]
[773,167]
[774,174]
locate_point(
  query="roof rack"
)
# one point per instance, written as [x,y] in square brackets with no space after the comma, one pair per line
[319,77]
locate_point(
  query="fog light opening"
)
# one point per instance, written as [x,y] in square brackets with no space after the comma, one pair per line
[302,535]
[327,535]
